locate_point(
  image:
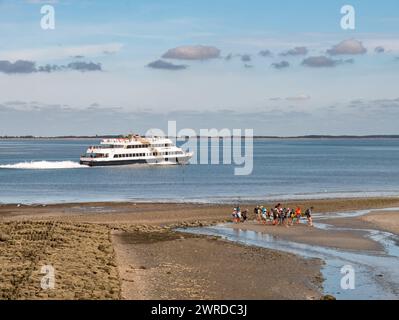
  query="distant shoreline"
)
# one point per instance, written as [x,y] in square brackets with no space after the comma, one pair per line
[315,137]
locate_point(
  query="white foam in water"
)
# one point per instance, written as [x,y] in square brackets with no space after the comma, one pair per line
[43,165]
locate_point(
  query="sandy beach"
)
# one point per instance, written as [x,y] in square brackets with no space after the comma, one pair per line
[130,251]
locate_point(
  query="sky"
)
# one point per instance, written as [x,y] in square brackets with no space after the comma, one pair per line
[281,67]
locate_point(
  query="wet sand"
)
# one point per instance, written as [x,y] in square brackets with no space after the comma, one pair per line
[346,240]
[176,266]
[147,260]
[169,213]
[388,221]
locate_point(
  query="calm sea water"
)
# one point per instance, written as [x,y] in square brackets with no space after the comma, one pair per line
[47,171]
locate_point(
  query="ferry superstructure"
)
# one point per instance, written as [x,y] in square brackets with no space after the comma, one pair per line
[135,150]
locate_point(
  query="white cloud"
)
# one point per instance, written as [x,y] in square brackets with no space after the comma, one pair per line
[348,47]
[192,53]
[300,97]
[389,44]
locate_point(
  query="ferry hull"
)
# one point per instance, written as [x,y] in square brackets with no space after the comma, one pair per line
[179,161]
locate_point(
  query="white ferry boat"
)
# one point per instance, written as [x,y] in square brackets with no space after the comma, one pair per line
[135,149]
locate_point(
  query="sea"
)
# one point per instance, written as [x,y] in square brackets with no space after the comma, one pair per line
[44,171]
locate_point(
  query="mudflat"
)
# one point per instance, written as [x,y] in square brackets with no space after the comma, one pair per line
[177,266]
[131,251]
[388,221]
[347,240]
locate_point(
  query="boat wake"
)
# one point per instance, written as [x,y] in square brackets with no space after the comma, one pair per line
[43,165]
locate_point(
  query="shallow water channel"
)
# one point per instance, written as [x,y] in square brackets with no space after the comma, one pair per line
[376,273]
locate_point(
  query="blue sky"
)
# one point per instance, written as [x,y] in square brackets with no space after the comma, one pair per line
[106,77]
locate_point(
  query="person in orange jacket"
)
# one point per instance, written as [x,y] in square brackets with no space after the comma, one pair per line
[298,214]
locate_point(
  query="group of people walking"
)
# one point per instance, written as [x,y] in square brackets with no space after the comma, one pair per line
[278,215]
